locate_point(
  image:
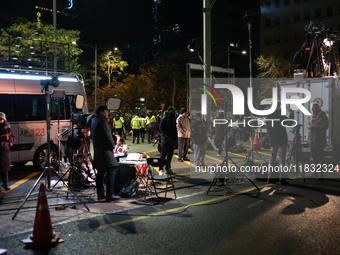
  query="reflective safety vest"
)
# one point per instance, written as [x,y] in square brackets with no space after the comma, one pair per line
[118,123]
[142,122]
[153,118]
[135,123]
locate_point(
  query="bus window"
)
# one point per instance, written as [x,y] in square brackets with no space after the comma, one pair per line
[31,107]
[7,106]
[64,109]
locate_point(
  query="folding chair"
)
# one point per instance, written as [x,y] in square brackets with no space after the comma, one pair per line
[154,176]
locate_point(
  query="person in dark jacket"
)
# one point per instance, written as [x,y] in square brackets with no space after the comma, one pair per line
[199,138]
[317,125]
[167,127]
[278,139]
[104,160]
[218,132]
[7,139]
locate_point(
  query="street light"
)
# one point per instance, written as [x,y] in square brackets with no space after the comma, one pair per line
[237,51]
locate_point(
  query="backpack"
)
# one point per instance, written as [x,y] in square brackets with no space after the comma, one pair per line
[129,189]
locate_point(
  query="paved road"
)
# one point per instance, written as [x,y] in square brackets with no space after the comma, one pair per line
[298,218]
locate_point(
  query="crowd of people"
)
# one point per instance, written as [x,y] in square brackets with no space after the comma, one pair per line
[108,135]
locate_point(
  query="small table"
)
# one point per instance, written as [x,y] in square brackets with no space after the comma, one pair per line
[141,176]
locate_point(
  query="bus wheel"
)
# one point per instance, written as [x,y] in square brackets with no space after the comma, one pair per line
[40,159]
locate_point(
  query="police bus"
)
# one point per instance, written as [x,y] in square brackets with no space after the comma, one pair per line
[23,101]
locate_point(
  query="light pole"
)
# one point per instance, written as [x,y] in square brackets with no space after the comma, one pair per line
[55,35]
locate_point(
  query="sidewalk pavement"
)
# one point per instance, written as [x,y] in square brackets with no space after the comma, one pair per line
[185,183]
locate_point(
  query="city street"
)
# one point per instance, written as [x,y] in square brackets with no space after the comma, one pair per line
[297,218]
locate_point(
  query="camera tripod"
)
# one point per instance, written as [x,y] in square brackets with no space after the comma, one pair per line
[225,163]
[49,168]
[249,159]
[296,150]
[315,46]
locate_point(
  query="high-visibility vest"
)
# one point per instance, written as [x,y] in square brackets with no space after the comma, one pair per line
[117,123]
[153,118]
[142,122]
[135,123]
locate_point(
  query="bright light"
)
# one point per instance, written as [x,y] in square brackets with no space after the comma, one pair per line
[74,42]
[115,48]
[244,52]
[34,77]
[69,79]
[328,42]
[24,77]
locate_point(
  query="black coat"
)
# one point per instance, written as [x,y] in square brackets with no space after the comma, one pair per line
[198,133]
[103,143]
[7,140]
[277,132]
[168,129]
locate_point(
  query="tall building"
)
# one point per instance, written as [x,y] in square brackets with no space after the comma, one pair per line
[283,23]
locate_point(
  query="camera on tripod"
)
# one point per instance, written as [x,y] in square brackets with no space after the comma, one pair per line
[316,28]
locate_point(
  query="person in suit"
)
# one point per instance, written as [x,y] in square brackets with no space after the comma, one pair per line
[104,160]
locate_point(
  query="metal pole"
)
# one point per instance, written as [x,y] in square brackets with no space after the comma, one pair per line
[250,46]
[251,85]
[207,49]
[95,77]
[55,33]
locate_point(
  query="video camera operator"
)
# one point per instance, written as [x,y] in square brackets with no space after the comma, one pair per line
[104,160]
[317,126]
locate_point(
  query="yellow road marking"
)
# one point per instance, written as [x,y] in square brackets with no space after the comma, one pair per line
[19,182]
[161,212]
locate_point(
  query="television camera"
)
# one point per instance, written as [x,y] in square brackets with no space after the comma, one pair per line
[316,28]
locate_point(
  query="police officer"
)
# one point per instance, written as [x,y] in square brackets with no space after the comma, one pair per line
[118,124]
[142,128]
[150,118]
[135,124]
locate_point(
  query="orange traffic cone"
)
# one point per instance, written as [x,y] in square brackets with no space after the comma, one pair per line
[43,234]
[256,144]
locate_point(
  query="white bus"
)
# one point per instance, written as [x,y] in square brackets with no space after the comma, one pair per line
[23,101]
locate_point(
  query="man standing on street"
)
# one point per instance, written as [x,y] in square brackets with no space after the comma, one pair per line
[118,124]
[317,125]
[167,128]
[199,138]
[135,124]
[183,133]
[150,118]
[104,160]
[278,139]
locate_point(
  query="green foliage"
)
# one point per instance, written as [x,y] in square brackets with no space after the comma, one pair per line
[33,31]
[273,67]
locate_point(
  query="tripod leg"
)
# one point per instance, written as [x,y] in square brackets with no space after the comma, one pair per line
[301,158]
[261,156]
[310,57]
[72,192]
[29,193]
[212,183]
[245,175]
[318,57]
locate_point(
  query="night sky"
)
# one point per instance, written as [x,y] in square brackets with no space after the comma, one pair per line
[130,23]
